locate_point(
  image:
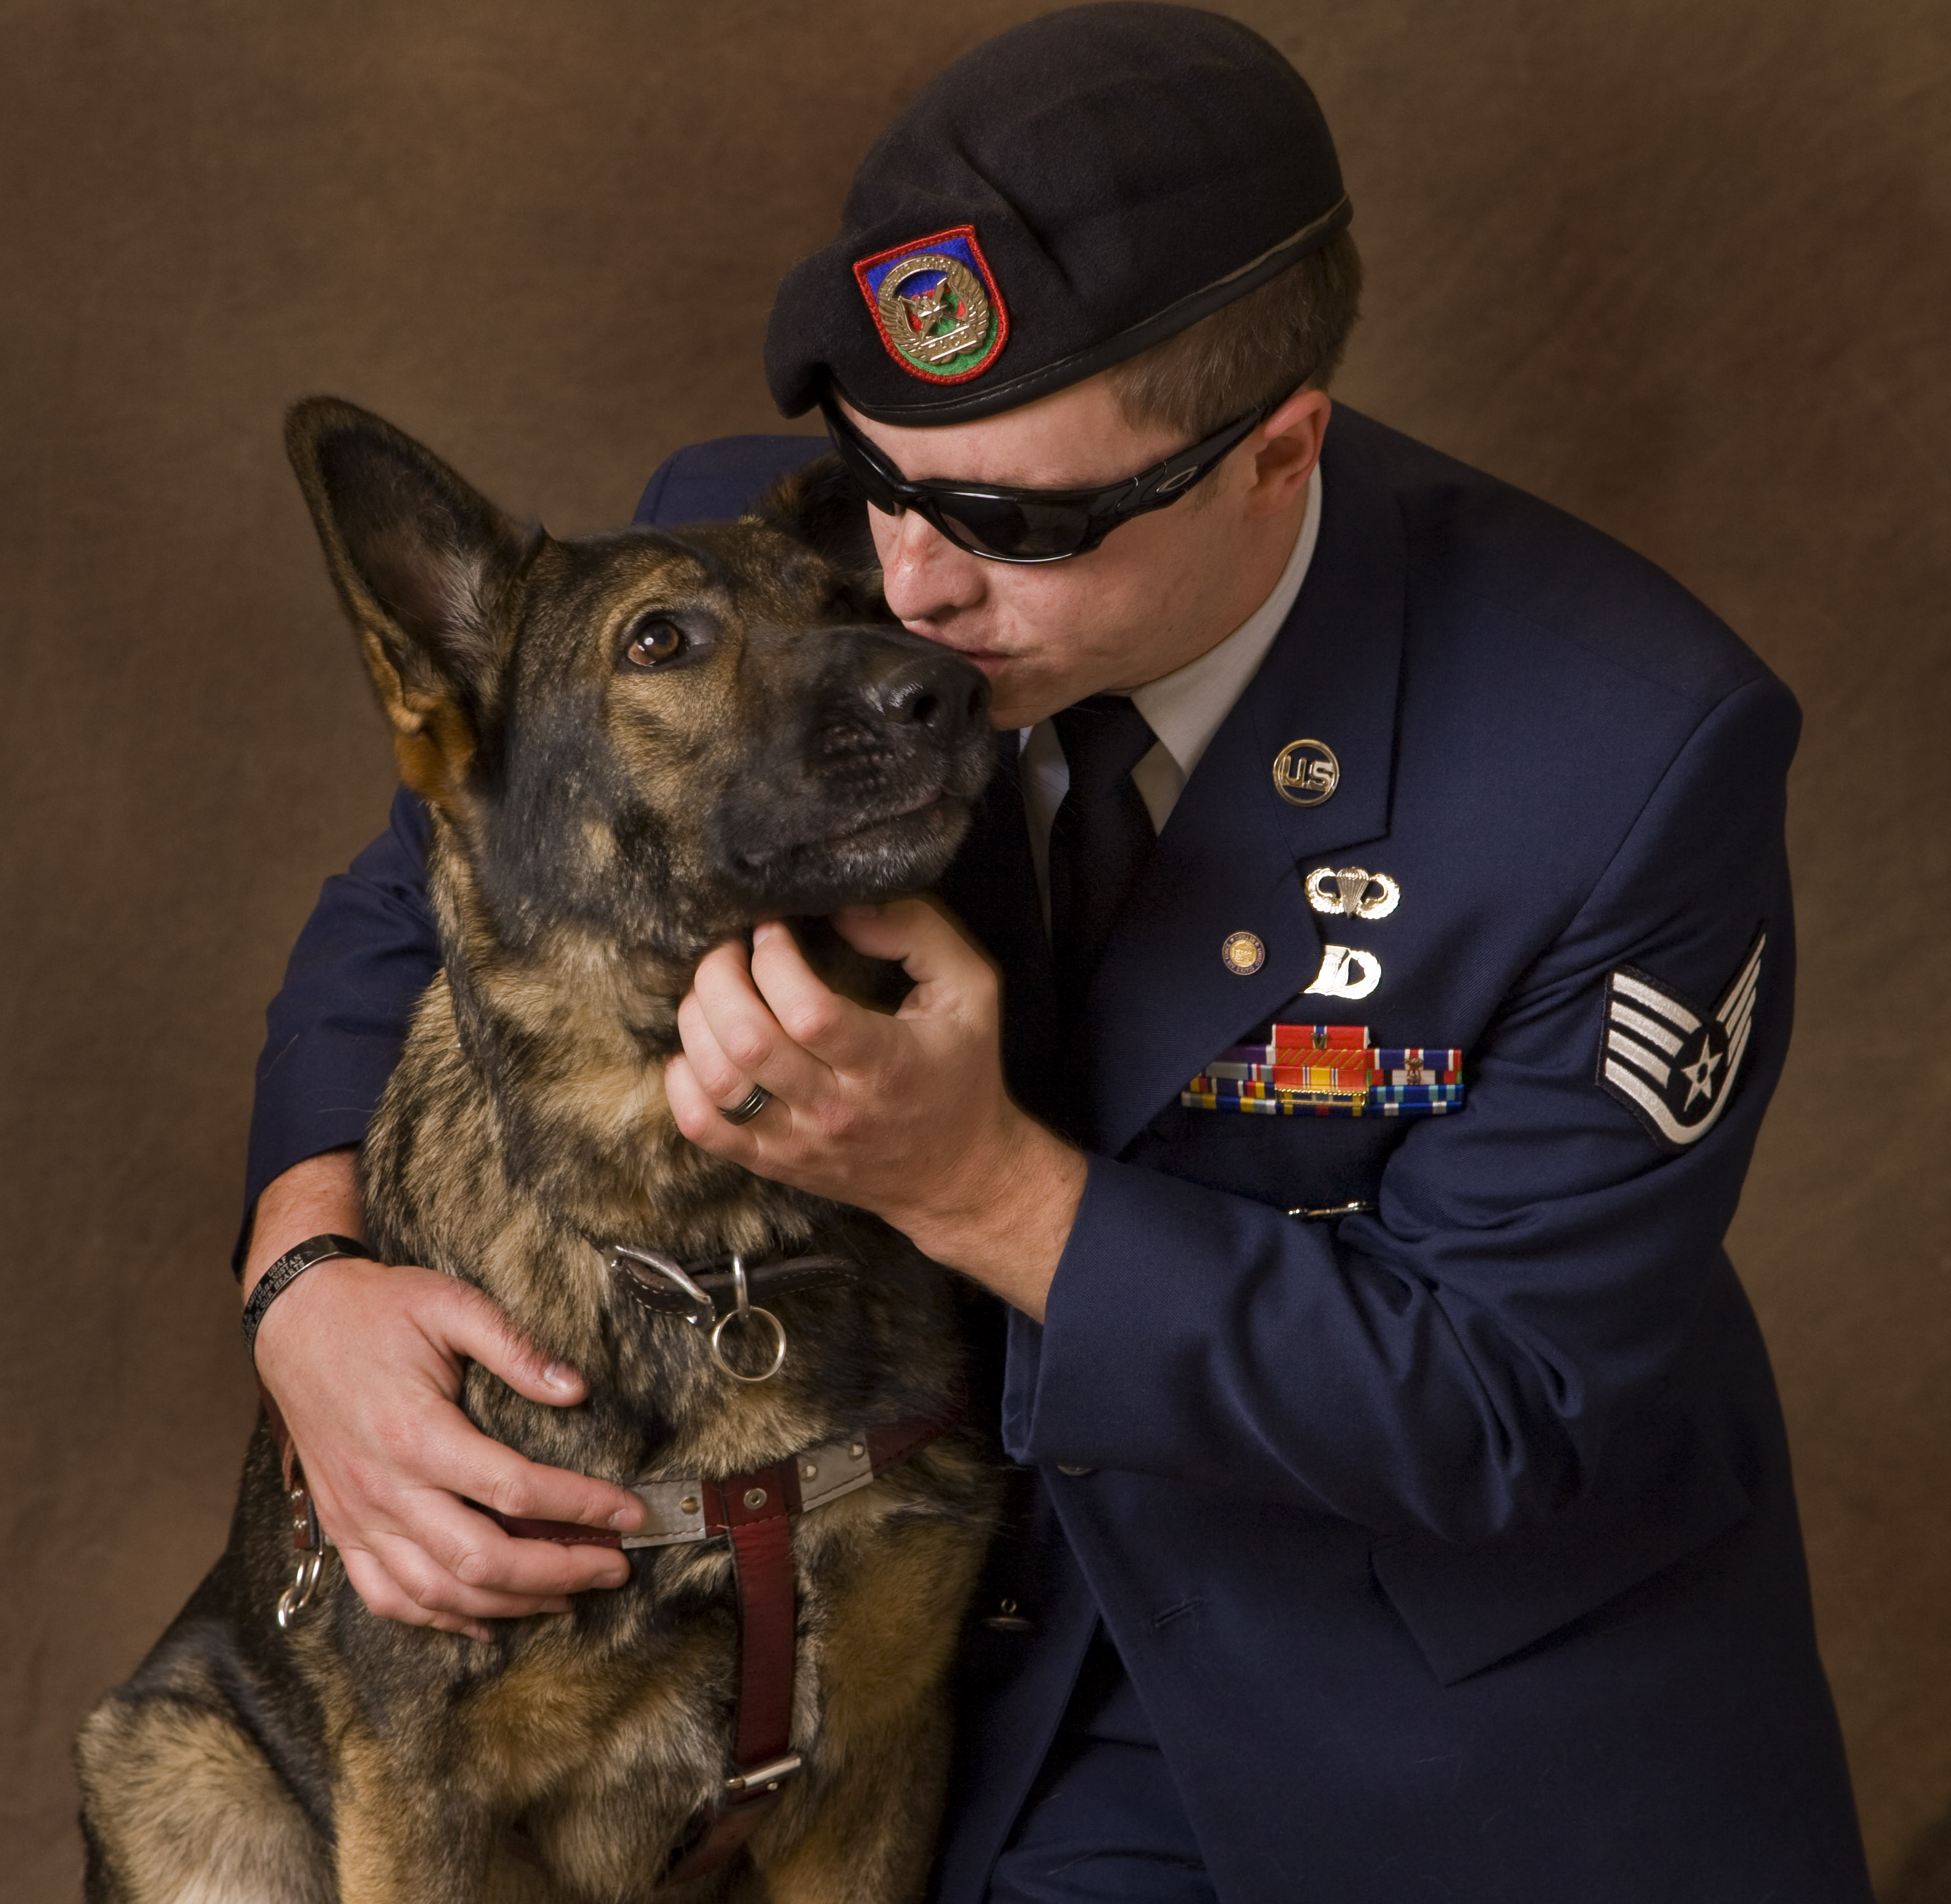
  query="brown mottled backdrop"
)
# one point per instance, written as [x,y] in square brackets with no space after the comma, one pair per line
[1681,266]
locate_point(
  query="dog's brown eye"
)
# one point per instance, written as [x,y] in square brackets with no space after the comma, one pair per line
[652,642]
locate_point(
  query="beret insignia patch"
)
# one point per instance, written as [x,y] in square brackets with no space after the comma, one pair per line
[1672,1064]
[935,304]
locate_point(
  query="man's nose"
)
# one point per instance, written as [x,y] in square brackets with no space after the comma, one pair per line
[925,576]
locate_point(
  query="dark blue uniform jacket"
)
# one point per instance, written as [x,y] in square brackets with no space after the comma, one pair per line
[1451,1549]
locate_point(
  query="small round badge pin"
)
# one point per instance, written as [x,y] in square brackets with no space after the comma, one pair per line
[1306,772]
[1243,954]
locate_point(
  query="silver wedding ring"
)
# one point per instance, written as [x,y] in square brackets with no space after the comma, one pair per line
[754,1101]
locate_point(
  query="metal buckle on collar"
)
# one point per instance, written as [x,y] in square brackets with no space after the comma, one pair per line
[667,1267]
[744,1311]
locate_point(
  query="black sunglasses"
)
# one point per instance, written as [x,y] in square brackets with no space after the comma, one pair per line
[1028,525]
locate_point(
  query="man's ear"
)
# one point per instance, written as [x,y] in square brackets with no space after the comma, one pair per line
[425,566]
[1289,440]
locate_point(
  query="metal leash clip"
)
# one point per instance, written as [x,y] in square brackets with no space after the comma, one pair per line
[297,1597]
[744,1315]
[310,1542]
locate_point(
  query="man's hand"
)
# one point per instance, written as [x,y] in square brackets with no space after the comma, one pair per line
[365,1362]
[905,1115]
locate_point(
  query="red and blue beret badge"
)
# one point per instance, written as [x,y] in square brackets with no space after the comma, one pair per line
[935,304]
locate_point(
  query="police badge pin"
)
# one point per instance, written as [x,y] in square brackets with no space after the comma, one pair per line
[1243,953]
[935,304]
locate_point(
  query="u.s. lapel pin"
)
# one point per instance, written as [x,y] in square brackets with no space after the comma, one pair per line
[1306,772]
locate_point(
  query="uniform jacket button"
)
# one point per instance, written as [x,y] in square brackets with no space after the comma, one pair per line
[1065,1468]
[1007,1619]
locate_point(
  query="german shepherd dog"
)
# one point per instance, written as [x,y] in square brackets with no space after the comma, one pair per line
[633,746]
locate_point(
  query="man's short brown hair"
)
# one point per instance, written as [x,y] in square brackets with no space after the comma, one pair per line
[1288,331]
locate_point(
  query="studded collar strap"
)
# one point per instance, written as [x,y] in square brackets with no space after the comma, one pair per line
[679,1512]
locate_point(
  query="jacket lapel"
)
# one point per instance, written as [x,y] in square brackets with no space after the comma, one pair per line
[1163,1004]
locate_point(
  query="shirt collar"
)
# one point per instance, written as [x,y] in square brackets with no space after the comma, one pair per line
[1184,708]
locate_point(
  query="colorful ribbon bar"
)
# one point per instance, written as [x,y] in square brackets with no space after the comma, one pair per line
[1298,1077]
[1377,1100]
[1436,1062]
[1330,1071]
[1322,1037]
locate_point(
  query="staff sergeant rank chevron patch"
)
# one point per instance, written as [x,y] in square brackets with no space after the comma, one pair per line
[1670,1064]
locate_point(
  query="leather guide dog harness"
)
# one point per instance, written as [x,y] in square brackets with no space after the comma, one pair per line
[752,1511]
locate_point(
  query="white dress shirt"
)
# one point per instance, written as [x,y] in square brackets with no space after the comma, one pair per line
[1184,709]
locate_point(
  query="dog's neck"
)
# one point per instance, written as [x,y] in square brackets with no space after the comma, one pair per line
[567,1039]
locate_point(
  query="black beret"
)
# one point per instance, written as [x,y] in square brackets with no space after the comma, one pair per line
[1071,192]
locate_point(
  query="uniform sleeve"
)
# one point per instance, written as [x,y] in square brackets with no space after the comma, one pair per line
[1455,1362]
[333,1033]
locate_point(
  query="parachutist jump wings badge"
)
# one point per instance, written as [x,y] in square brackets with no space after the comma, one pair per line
[1671,1064]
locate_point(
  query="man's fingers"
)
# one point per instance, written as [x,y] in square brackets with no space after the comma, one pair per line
[434,1600]
[747,1045]
[470,1463]
[456,1539]
[694,1110]
[843,1035]
[929,946]
[460,1559]
[720,1081]
[470,1324]
[385,1596]
[432,1591]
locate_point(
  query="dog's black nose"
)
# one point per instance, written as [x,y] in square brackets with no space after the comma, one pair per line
[931,687]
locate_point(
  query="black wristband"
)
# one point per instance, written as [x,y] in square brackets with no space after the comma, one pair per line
[286,1271]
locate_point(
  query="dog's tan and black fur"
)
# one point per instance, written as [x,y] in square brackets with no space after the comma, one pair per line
[633,746]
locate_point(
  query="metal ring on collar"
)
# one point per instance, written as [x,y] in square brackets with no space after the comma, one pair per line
[765,1315]
[744,1313]
[754,1101]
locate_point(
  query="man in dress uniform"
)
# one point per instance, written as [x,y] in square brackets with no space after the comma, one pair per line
[1386,875]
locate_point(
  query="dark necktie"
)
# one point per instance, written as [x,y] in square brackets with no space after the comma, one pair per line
[1099,838]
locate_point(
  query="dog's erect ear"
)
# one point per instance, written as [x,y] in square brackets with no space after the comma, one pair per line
[821,505]
[424,565]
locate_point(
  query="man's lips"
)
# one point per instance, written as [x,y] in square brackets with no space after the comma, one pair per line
[991,660]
